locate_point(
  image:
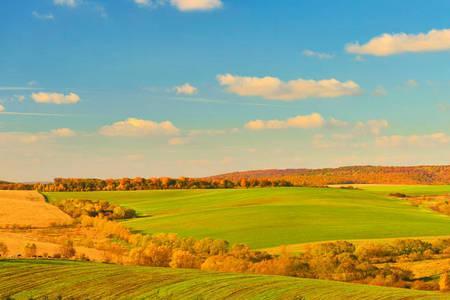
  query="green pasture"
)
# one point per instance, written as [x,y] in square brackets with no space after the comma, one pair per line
[271,217]
[34,279]
[412,190]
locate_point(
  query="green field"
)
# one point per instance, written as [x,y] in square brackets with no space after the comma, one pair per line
[33,279]
[271,217]
[411,190]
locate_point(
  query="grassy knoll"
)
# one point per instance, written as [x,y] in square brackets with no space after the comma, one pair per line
[271,217]
[23,279]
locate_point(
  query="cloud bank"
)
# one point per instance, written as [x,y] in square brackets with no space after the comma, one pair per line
[272,88]
[186,89]
[391,44]
[313,120]
[55,98]
[133,127]
[193,5]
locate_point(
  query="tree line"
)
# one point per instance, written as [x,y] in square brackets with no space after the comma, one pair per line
[351,175]
[139,183]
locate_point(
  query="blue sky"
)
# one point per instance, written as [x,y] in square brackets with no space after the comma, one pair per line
[89,88]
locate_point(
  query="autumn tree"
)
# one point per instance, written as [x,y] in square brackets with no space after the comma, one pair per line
[67,250]
[184,259]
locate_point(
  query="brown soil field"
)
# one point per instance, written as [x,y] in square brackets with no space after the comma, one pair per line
[28,208]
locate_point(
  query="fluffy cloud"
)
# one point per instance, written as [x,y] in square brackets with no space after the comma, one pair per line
[186,89]
[193,5]
[44,17]
[319,55]
[55,98]
[273,88]
[390,44]
[139,127]
[437,138]
[69,3]
[2,108]
[313,120]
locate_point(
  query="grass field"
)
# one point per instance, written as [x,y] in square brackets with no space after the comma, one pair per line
[271,217]
[23,279]
[411,190]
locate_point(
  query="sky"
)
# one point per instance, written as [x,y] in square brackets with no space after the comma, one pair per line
[127,88]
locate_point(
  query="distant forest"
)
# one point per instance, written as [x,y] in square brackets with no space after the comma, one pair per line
[253,179]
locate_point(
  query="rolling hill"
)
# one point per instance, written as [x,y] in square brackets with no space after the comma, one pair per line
[34,279]
[269,217]
[350,175]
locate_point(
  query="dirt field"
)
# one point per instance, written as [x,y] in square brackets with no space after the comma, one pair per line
[25,208]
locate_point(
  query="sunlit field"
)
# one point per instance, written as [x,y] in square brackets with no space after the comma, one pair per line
[271,217]
[32,279]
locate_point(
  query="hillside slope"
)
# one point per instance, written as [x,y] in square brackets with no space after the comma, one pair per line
[350,175]
[28,208]
[269,217]
[23,279]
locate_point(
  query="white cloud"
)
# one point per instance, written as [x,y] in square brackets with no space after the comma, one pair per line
[313,120]
[139,127]
[69,3]
[390,44]
[55,98]
[186,89]
[319,55]
[438,138]
[272,88]
[194,5]
[44,17]
[63,132]
[2,108]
